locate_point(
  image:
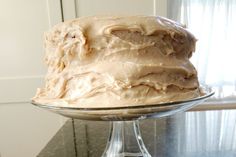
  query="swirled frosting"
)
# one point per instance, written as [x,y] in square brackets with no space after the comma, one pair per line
[104,61]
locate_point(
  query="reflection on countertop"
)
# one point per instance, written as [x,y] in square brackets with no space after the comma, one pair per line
[189,134]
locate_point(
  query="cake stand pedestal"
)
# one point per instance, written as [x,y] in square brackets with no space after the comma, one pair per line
[125,139]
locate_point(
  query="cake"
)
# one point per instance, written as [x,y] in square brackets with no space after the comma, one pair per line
[116,61]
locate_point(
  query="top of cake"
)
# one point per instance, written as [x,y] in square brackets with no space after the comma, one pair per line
[110,61]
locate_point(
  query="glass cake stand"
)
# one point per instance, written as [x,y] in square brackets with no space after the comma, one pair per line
[125,139]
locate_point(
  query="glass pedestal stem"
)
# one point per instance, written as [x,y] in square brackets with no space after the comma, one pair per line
[125,140]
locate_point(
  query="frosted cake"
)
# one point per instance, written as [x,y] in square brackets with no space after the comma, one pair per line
[114,61]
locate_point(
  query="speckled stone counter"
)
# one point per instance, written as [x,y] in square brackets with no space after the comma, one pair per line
[190,134]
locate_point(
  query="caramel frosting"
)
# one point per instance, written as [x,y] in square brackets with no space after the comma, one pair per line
[104,61]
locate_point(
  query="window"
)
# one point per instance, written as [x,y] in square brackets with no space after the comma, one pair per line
[213,22]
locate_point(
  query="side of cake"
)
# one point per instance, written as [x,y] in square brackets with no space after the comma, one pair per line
[118,61]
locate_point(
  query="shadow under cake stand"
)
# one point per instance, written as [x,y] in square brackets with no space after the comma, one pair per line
[125,122]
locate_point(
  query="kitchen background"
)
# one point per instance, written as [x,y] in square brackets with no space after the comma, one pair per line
[22,23]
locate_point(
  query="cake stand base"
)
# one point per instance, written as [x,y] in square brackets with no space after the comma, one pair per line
[125,140]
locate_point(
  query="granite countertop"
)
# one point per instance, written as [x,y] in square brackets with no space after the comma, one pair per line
[189,134]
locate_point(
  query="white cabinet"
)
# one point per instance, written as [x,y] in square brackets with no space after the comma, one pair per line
[22,24]
[24,129]
[78,8]
[94,7]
